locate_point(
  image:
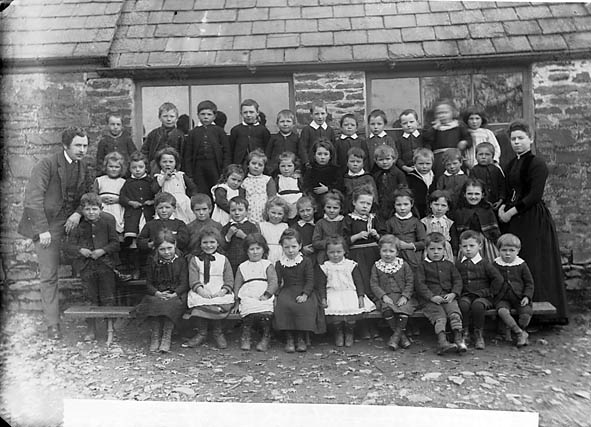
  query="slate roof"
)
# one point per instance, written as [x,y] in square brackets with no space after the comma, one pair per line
[217,33]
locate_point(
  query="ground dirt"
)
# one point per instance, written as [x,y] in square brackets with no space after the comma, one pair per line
[551,376]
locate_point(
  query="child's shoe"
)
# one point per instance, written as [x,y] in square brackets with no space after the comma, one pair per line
[218,335]
[200,337]
[459,341]
[394,324]
[466,335]
[301,343]
[404,341]
[90,330]
[245,338]
[478,339]
[349,337]
[263,344]
[166,336]
[522,338]
[339,337]
[444,345]
[155,335]
[289,344]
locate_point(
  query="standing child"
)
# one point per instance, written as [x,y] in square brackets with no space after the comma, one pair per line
[167,284]
[475,213]
[201,206]
[349,139]
[453,177]
[388,179]
[438,285]
[235,231]
[297,309]
[446,133]
[289,185]
[305,225]
[212,282]
[330,225]
[322,175]
[481,282]
[410,140]
[409,230]
[438,222]
[255,288]
[248,135]
[392,284]
[94,246]
[225,190]
[517,290]
[490,174]
[177,183]
[341,291]
[207,151]
[167,135]
[422,180]
[377,135]
[258,187]
[356,176]
[116,139]
[476,120]
[108,187]
[272,228]
[284,140]
[316,130]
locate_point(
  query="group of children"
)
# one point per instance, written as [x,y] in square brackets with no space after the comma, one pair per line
[301,231]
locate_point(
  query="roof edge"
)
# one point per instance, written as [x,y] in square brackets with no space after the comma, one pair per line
[56,64]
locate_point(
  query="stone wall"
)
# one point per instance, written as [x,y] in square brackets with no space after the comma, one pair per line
[562,96]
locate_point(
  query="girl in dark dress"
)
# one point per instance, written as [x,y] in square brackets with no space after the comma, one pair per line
[323,174]
[525,215]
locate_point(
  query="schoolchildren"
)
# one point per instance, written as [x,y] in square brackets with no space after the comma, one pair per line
[317,129]
[297,308]
[202,207]
[255,287]
[207,151]
[248,135]
[490,174]
[284,140]
[409,141]
[453,177]
[438,285]
[388,178]
[228,187]
[349,139]
[422,180]
[481,281]
[258,187]
[476,120]
[331,224]
[392,283]
[322,174]
[409,230]
[108,187]
[341,291]
[175,182]
[167,284]
[305,224]
[116,139]
[212,283]
[517,290]
[288,182]
[275,216]
[167,135]
[165,204]
[377,135]
[356,176]
[236,230]
[438,222]
[94,246]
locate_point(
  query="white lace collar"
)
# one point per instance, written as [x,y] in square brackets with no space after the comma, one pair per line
[335,219]
[416,134]
[315,125]
[389,267]
[407,216]
[380,135]
[286,262]
[516,261]
[361,172]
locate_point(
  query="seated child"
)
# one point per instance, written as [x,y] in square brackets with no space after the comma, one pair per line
[94,245]
[437,221]
[259,187]
[167,284]
[272,228]
[284,140]
[249,135]
[201,205]
[421,179]
[255,287]
[116,139]
[388,179]
[438,284]
[167,135]
[377,137]
[322,174]
[305,225]
[356,176]
[490,174]
[316,130]
[330,225]
[341,291]
[392,283]
[453,177]
[517,290]
[349,139]
[410,140]
[228,187]
[288,183]
[481,281]
[235,231]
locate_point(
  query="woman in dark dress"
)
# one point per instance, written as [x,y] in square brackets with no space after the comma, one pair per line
[526,216]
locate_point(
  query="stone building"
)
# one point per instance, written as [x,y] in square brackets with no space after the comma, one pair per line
[70,62]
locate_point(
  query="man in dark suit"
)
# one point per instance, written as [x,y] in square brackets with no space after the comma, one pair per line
[52,199]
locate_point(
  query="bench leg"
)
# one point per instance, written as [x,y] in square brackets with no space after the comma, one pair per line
[110,331]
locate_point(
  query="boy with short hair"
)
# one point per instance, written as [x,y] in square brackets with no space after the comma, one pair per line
[421,179]
[207,151]
[284,140]
[377,135]
[318,128]
[438,285]
[356,176]
[167,135]
[410,140]
[116,139]
[94,245]
[235,231]
[481,281]
[249,135]
[388,179]
[202,207]
[454,178]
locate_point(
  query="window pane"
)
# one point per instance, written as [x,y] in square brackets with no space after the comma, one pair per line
[456,88]
[394,96]
[501,95]
[224,96]
[272,98]
[154,96]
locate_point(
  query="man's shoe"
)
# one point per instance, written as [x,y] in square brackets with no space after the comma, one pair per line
[53,332]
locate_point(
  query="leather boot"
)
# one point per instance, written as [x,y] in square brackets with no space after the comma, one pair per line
[301,342]
[90,330]
[155,336]
[200,337]
[245,338]
[349,337]
[444,345]
[522,338]
[478,339]
[167,328]
[218,335]
[459,341]
[339,338]
[394,324]
[263,344]
[289,344]
[404,341]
